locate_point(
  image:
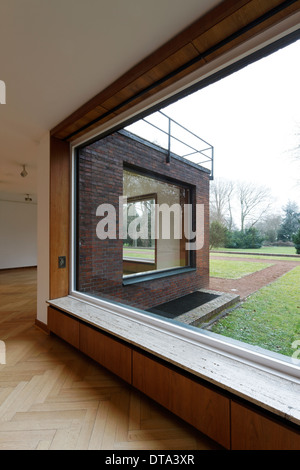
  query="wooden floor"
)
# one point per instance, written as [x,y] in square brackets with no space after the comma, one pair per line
[53,397]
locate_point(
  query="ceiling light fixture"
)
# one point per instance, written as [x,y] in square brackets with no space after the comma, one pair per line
[23,172]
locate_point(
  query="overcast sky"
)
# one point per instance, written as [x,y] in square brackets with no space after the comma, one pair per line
[251,119]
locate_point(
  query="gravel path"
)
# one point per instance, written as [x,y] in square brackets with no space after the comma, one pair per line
[252,282]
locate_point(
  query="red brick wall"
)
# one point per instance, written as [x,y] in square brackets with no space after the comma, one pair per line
[100,180]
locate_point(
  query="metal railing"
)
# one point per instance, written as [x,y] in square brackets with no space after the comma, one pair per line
[176,140]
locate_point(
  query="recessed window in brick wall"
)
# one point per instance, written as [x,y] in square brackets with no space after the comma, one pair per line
[153,224]
[132,223]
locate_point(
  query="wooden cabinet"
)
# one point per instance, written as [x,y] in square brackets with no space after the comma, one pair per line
[64,326]
[223,418]
[107,351]
[251,430]
[110,353]
[200,406]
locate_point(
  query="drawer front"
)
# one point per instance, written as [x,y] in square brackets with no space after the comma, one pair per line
[112,354]
[64,326]
[253,431]
[205,409]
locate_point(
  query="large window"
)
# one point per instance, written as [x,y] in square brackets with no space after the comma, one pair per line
[131,225]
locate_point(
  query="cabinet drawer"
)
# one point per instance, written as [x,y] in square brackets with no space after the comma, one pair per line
[251,430]
[111,353]
[63,326]
[205,409]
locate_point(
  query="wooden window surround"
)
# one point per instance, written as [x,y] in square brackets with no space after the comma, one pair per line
[228,25]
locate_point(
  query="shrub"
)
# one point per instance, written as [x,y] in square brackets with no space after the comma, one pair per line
[217,234]
[296,240]
[249,238]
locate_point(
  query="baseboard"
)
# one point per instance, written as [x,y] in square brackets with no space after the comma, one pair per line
[42,326]
[21,267]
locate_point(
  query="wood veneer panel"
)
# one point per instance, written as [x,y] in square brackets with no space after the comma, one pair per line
[202,407]
[240,20]
[64,326]
[111,353]
[151,76]
[59,216]
[253,431]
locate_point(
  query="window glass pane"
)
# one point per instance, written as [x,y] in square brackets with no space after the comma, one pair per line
[253,119]
[150,225]
[136,217]
[153,221]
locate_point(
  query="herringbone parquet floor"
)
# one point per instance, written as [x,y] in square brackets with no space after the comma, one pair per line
[53,397]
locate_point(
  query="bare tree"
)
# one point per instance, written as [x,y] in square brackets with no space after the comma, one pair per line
[221,192]
[254,202]
[269,226]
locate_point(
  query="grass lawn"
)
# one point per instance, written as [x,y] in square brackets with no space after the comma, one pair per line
[229,269]
[270,318]
[139,253]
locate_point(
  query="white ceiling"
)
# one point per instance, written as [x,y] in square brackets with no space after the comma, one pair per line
[57,54]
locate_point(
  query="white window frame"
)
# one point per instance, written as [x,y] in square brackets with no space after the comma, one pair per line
[259,358]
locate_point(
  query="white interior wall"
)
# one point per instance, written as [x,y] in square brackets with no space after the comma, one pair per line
[18,234]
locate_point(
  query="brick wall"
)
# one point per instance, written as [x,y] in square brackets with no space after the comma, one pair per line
[100,180]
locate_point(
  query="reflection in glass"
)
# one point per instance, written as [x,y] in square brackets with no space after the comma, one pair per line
[153,237]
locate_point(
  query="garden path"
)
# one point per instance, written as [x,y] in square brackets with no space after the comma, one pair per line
[252,282]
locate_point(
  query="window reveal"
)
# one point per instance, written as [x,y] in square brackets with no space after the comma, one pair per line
[153,224]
